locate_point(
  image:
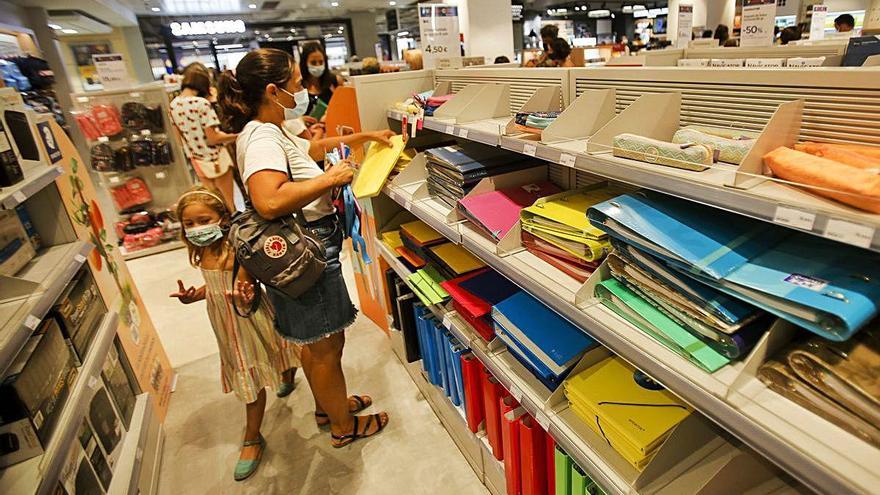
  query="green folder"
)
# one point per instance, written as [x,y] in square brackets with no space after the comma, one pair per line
[563,472]
[427,286]
[634,309]
[319,109]
[579,480]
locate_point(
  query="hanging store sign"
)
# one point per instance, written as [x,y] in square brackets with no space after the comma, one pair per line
[817,22]
[685,25]
[438,24]
[758,19]
[112,71]
[198,28]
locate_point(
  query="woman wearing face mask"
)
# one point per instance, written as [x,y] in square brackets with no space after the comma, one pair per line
[317,76]
[281,177]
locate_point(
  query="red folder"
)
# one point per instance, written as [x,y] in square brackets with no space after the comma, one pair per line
[532,451]
[480,323]
[471,304]
[473,391]
[550,457]
[413,259]
[510,436]
[492,394]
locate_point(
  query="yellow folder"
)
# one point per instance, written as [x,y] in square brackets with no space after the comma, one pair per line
[457,258]
[392,239]
[565,214]
[634,412]
[421,233]
[378,163]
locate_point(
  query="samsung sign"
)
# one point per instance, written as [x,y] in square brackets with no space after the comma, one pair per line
[207,27]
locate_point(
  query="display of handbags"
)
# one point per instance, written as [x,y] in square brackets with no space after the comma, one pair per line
[131,194]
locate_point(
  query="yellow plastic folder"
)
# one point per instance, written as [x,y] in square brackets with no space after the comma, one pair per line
[421,233]
[633,413]
[392,239]
[457,258]
[378,163]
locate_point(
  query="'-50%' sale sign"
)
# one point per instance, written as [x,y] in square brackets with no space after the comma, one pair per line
[438,25]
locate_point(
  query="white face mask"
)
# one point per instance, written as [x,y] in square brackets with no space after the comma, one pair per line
[316,70]
[300,99]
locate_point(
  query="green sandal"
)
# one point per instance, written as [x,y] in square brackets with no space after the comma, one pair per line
[244,469]
[361,402]
[340,441]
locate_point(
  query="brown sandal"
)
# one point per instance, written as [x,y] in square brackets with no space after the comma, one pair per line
[345,440]
[361,402]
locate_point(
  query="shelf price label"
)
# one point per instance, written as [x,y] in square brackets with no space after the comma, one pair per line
[447,321]
[542,420]
[19,197]
[793,217]
[449,130]
[79,258]
[31,322]
[567,160]
[849,232]
[758,19]
[516,392]
[530,149]
[463,133]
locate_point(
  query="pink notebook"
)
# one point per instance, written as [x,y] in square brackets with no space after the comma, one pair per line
[496,212]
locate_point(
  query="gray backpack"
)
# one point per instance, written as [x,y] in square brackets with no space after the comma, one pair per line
[283,253]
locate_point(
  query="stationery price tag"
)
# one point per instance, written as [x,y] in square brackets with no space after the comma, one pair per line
[31,322]
[160,175]
[79,258]
[82,99]
[447,321]
[134,94]
[19,196]
[516,392]
[139,454]
[792,217]
[530,149]
[114,179]
[850,233]
[542,420]
[407,204]
[93,383]
[449,130]
[567,160]
[463,133]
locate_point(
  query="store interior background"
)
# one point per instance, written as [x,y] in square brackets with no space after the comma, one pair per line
[155,42]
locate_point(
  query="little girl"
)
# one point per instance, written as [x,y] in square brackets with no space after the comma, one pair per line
[252,355]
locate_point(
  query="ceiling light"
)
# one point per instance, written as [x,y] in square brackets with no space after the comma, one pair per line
[226,47]
[54,26]
[292,30]
[290,38]
[595,14]
[334,4]
[69,31]
[392,3]
[257,31]
[627,9]
[342,28]
[252,5]
[403,33]
[155,9]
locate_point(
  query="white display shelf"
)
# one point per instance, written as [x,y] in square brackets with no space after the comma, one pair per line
[822,466]
[39,475]
[128,467]
[49,273]
[160,248]
[762,202]
[35,179]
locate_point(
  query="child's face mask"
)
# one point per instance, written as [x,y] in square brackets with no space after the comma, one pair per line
[205,235]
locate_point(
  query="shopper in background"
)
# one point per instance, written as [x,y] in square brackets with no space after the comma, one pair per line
[317,76]
[722,34]
[560,54]
[198,127]
[502,59]
[548,33]
[844,23]
[281,177]
[252,355]
[789,34]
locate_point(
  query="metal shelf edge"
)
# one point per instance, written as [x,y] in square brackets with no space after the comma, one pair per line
[29,186]
[127,468]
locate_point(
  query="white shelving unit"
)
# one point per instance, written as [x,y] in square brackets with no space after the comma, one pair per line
[35,179]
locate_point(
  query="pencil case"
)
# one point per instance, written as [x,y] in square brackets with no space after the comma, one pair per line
[688,156]
[729,150]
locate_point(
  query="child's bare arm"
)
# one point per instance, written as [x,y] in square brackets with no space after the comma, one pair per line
[188,295]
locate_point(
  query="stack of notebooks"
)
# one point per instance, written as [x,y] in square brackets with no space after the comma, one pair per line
[496,212]
[453,260]
[556,230]
[626,408]
[416,237]
[454,170]
[547,344]
[826,287]
[703,325]
[474,294]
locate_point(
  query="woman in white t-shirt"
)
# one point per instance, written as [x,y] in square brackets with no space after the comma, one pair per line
[198,127]
[281,176]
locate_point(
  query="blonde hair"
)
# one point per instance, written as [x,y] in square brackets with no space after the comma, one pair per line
[209,197]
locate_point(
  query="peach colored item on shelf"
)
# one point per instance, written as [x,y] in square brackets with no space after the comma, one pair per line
[809,170]
[840,153]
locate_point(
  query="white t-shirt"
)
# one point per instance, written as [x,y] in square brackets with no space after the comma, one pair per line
[263,146]
[192,115]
